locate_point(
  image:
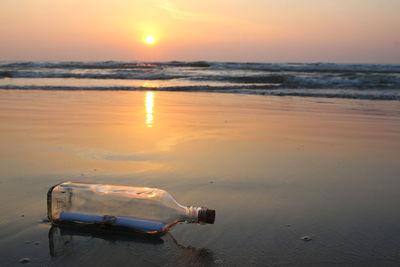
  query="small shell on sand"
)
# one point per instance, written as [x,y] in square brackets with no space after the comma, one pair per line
[306,238]
[24,260]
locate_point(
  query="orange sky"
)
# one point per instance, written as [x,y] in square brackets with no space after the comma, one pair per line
[365,31]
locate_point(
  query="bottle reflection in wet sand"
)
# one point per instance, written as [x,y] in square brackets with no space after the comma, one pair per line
[72,245]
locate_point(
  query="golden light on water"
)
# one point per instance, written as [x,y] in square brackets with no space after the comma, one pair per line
[149,102]
[150,85]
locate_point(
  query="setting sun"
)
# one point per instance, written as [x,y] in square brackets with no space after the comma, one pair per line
[149,39]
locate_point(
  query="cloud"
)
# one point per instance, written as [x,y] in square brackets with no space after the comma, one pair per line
[180,14]
[135,156]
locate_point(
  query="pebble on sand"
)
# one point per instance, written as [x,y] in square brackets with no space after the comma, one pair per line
[24,260]
[306,238]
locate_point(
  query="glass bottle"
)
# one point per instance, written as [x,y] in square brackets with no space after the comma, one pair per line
[139,209]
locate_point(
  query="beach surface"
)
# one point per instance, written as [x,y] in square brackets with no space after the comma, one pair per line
[275,169]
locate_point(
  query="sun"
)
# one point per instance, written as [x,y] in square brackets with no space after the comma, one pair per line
[149,39]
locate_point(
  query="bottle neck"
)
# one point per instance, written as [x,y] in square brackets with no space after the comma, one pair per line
[192,214]
[199,215]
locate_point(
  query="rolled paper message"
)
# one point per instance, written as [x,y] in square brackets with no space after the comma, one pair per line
[141,225]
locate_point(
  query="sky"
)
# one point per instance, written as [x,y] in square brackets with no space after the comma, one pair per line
[343,31]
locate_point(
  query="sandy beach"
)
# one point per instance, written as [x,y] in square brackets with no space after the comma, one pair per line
[276,169]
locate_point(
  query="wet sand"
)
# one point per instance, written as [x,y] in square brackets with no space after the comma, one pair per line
[276,169]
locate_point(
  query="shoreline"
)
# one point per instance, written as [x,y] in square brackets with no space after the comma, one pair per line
[239,91]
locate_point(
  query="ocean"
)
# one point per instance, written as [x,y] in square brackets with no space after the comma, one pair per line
[355,81]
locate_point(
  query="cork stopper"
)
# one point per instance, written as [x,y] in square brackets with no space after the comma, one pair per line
[206,215]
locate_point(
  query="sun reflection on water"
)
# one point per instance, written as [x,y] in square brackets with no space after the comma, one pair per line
[150,85]
[149,102]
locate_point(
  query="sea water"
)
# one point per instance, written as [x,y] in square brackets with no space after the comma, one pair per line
[357,81]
